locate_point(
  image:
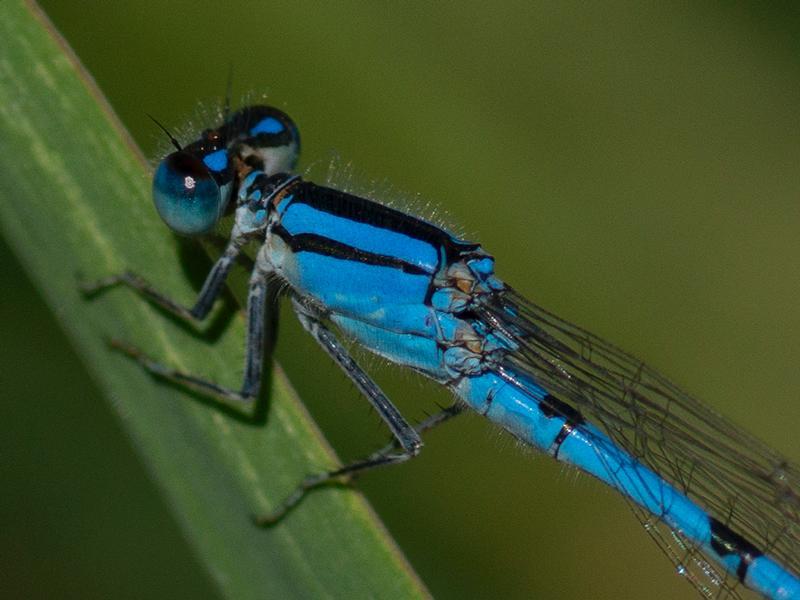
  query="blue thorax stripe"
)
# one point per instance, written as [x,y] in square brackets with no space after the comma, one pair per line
[302,219]
[368,226]
[312,242]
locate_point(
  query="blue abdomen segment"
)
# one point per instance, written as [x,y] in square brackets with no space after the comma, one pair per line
[529,412]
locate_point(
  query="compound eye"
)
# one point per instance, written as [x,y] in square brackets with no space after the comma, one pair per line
[186,195]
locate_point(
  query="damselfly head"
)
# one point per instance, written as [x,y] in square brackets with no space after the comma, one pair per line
[187,196]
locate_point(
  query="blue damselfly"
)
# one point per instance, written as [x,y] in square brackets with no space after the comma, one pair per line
[719,503]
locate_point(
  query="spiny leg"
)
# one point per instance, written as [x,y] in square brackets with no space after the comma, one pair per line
[254,357]
[383,457]
[212,287]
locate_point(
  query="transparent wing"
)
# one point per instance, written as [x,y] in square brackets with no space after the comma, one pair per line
[736,478]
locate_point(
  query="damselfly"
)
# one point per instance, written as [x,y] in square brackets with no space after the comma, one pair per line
[722,506]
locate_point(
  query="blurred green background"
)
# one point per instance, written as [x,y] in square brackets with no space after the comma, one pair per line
[632,167]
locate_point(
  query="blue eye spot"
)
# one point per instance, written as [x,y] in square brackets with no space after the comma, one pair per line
[185,194]
[217,161]
[267,125]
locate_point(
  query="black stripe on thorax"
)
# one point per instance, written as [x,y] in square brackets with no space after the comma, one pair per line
[373,213]
[312,242]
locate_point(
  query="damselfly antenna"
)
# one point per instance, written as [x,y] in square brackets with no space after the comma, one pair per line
[165,130]
[226,110]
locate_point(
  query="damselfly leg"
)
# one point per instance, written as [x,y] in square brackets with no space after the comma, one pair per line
[388,455]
